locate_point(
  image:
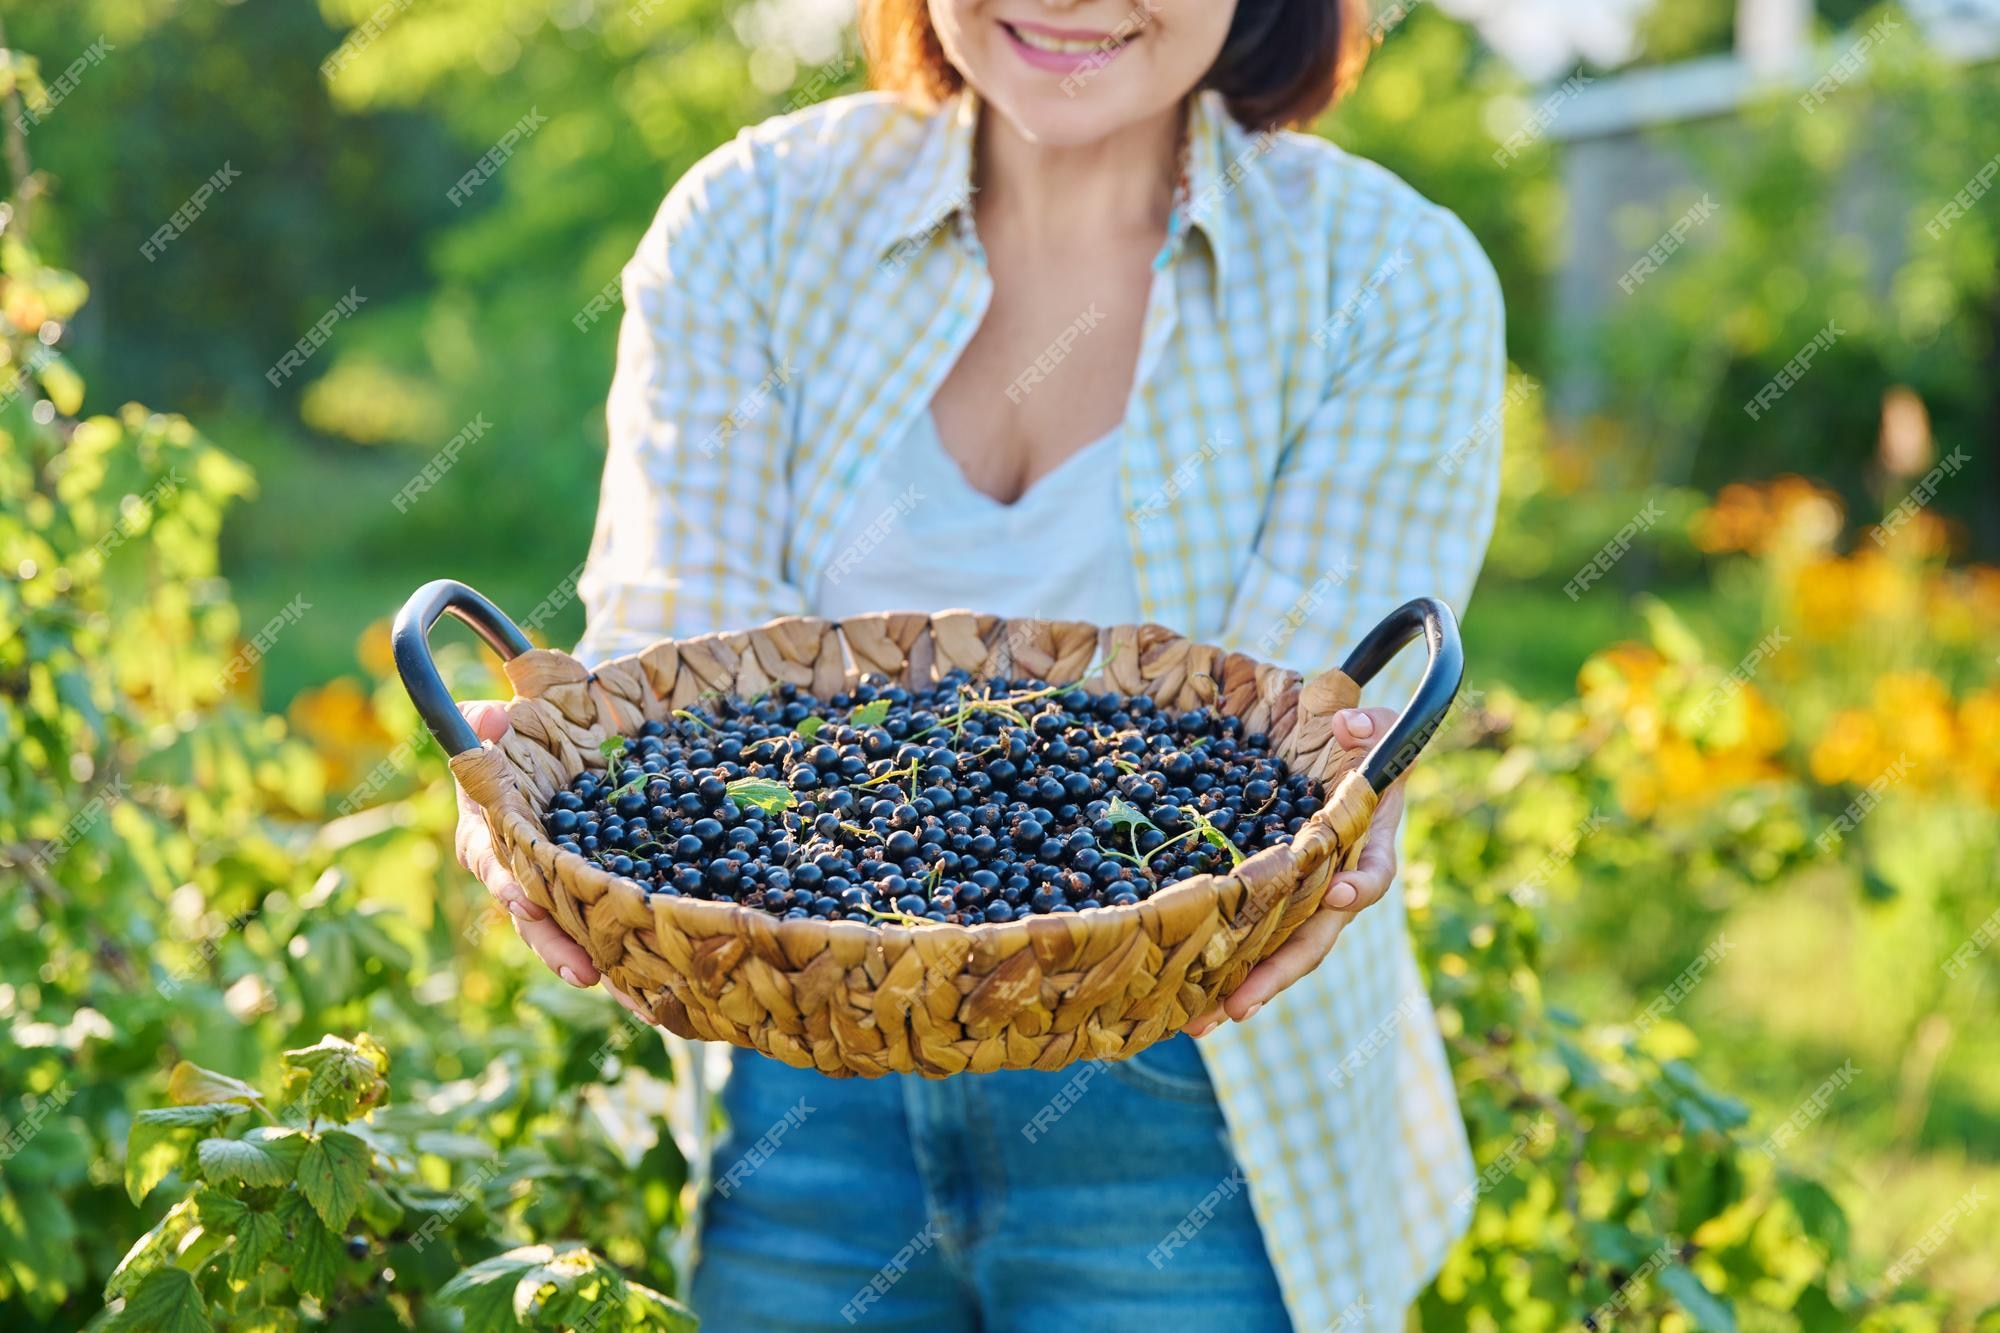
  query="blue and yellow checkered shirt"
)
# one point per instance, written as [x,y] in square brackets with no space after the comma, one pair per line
[1312,438]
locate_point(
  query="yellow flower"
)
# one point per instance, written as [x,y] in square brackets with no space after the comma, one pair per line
[1624,672]
[1835,596]
[1683,776]
[1914,713]
[1979,743]
[1963,606]
[1847,750]
[377,656]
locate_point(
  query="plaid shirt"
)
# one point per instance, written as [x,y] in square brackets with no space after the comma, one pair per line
[1312,438]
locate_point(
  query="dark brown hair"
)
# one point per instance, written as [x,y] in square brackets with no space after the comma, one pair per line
[1283,63]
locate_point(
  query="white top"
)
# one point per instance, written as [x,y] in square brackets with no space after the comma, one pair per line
[1060,552]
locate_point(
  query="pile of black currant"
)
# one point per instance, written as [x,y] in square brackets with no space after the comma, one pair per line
[971,802]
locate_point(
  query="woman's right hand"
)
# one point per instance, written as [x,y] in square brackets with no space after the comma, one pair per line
[563,955]
[477,853]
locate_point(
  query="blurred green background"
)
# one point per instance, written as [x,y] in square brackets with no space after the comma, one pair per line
[1821,149]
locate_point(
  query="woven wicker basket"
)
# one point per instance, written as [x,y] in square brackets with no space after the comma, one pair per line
[854,999]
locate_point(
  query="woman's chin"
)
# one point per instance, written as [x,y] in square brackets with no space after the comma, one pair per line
[1054,120]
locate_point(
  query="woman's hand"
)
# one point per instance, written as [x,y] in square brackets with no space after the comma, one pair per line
[1347,893]
[563,955]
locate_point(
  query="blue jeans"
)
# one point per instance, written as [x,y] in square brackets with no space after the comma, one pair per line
[1096,1198]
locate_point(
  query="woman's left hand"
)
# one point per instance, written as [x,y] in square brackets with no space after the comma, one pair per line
[1347,893]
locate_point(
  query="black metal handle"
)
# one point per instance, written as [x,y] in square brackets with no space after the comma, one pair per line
[411,639]
[1432,700]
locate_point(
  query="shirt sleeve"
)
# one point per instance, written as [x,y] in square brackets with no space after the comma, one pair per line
[691,520]
[1389,490]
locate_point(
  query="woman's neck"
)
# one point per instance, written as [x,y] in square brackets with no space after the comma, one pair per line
[1042,193]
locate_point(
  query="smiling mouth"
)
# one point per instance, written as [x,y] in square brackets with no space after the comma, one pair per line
[1052,48]
[1066,43]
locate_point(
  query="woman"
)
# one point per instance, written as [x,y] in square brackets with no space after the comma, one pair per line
[1058,325]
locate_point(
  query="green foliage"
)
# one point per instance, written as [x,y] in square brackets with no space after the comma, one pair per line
[284,1226]
[1828,213]
[184,881]
[543,1286]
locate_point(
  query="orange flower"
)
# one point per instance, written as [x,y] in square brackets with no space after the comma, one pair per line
[1756,517]
[339,721]
[1922,536]
[1848,750]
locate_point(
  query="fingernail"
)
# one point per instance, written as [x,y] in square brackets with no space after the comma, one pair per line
[1341,894]
[1251,1012]
[1200,1030]
[569,974]
[1360,723]
[519,909]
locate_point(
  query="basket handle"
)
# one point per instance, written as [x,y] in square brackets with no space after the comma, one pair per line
[410,639]
[1425,713]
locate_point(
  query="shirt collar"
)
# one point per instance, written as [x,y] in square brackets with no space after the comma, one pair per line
[935,192]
